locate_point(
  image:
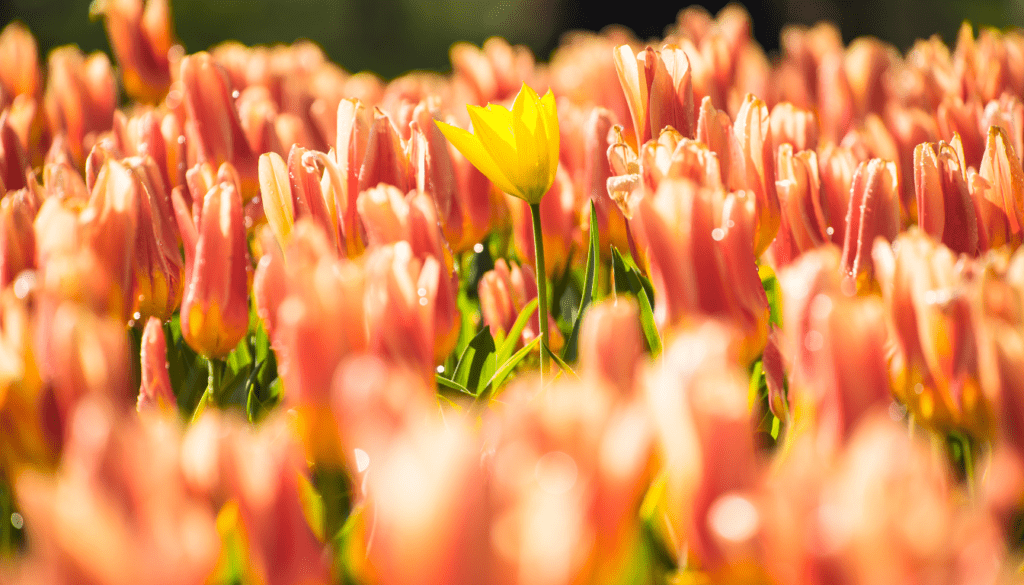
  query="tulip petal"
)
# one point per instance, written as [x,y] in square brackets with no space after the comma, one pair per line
[549,116]
[531,143]
[471,148]
[493,127]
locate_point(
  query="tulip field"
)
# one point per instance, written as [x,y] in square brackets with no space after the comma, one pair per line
[668,311]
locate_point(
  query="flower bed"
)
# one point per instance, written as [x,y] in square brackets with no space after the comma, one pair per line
[683,315]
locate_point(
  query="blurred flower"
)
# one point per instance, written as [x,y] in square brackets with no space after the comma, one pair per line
[611,347]
[517,149]
[140,37]
[804,223]
[837,347]
[794,126]
[215,308]
[159,269]
[156,391]
[699,246]
[17,237]
[119,511]
[504,292]
[385,160]
[19,72]
[214,121]
[936,370]
[80,98]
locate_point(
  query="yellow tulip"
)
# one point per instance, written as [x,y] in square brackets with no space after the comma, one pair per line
[518,149]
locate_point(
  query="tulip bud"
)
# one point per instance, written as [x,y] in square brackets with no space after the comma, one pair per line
[504,292]
[215,308]
[17,238]
[276,194]
[19,62]
[141,39]
[795,126]
[837,347]
[956,117]
[214,119]
[658,90]
[713,129]
[13,160]
[874,211]
[80,98]
[353,134]
[159,270]
[936,371]
[698,242]
[753,168]
[110,232]
[435,174]
[804,223]
[611,346]
[385,160]
[1004,186]
[945,210]
[156,391]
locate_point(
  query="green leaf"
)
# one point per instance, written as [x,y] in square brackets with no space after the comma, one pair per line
[774,293]
[506,347]
[506,368]
[590,281]
[442,381]
[477,362]
[628,279]
[560,362]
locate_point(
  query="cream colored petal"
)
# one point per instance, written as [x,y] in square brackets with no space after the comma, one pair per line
[470,147]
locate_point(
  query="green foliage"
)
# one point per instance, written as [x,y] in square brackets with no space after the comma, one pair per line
[628,279]
[571,351]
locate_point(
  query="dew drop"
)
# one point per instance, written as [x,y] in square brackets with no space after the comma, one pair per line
[17,521]
[830,230]
[181,139]
[25,282]
[235,94]
[734,518]
[136,315]
[362,460]
[422,292]
[478,247]
[918,388]
[718,234]
[423,301]
[440,369]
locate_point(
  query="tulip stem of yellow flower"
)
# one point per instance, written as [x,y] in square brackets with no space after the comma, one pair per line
[542,287]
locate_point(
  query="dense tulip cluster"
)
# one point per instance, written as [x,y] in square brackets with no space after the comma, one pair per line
[260,322]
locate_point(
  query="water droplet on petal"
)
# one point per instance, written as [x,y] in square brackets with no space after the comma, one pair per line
[734,518]
[423,301]
[24,284]
[478,247]
[440,369]
[830,230]
[718,234]
[422,292]
[17,521]
[235,94]
[362,460]
[181,139]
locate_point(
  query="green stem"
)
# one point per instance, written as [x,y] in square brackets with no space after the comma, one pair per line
[542,286]
[213,382]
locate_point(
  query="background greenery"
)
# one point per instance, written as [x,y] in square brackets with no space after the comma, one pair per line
[393,36]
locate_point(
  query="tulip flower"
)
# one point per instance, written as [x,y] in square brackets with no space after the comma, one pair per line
[156,391]
[518,151]
[215,308]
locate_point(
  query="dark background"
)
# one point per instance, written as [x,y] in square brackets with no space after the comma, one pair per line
[394,36]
